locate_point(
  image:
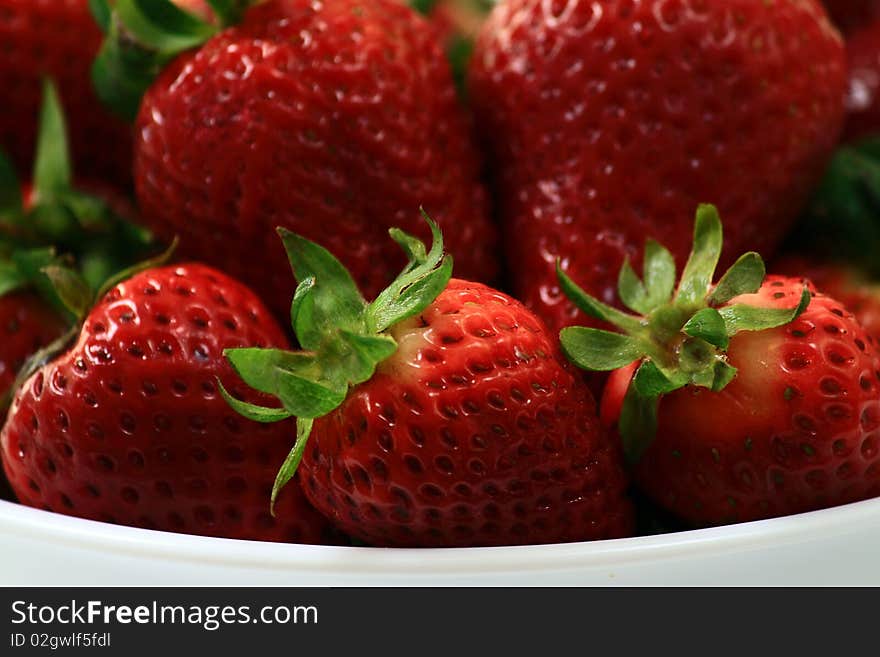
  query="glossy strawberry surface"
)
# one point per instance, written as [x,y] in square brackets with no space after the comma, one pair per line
[58,39]
[863,99]
[858,295]
[129,427]
[337,120]
[609,121]
[473,433]
[798,429]
[27,324]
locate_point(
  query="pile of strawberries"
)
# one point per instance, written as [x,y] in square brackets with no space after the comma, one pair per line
[324,271]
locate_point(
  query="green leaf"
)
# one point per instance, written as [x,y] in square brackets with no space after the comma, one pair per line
[163,26]
[651,381]
[459,51]
[700,267]
[298,379]
[71,288]
[11,278]
[842,221]
[369,350]
[708,324]
[294,458]
[419,284]
[337,301]
[102,13]
[599,351]
[123,71]
[595,308]
[424,7]
[300,297]
[412,246]
[52,169]
[637,424]
[631,290]
[744,277]
[11,202]
[413,299]
[261,414]
[659,274]
[740,317]
[724,374]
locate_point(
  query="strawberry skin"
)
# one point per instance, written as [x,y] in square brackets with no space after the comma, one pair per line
[59,39]
[27,324]
[863,99]
[128,426]
[609,121]
[840,282]
[798,429]
[472,433]
[337,120]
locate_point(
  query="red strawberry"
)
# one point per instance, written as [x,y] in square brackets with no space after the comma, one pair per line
[27,324]
[57,38]
[611,120]
[128,426]
[863,100]
[441,414]
[850,15]
[845,284]
[743,400]
[337,119]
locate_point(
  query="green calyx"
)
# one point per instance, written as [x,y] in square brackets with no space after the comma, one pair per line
[680,334]
[343,338]
[142,37]
[60,219]
[842,222]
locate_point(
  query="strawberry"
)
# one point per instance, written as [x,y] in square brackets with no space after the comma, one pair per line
[57,38]
[27,324]
[128,425]
[337,119]
[86,222]
[850,15]
[610,121]
[844,283]
[748,399]
[440,414]
[863,99]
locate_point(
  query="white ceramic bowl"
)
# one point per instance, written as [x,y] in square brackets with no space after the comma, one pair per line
[838,546]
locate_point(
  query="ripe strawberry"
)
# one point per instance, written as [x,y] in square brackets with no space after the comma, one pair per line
[59,39]
[441,414]
[845,284]
[863,99]
[337,119]
[850,15]
[748,399]
[128,426]
[27,324]
[611,120]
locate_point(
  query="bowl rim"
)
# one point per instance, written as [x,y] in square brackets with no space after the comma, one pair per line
[68,531]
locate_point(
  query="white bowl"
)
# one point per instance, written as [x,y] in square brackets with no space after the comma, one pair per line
[833,547]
